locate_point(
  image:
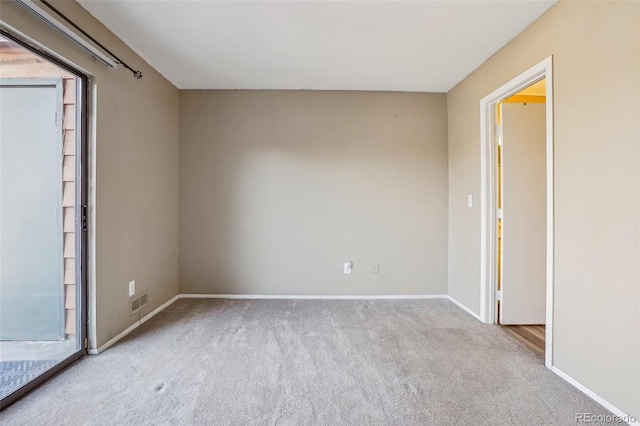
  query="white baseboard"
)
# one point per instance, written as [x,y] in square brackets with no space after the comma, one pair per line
[159,309]
[94,351]
[597,398]
[314,297]
[464,308]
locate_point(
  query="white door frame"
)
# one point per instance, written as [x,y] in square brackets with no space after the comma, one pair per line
[488,267]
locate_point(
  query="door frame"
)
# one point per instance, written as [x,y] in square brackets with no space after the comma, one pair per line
[83,83]
[488,216]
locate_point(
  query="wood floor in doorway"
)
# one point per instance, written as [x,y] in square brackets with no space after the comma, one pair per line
[530,335]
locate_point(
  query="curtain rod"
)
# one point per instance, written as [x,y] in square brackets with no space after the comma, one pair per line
[136,73]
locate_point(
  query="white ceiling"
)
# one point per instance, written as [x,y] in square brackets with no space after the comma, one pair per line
[323,45]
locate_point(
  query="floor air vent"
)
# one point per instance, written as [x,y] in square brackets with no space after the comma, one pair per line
[137,303]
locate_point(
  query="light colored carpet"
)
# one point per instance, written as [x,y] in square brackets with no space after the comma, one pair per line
[308,362]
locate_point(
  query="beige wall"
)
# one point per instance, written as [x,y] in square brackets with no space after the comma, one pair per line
[595,45]
[136,171]
[279,188]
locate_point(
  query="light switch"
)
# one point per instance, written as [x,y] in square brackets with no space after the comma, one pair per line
[469,200]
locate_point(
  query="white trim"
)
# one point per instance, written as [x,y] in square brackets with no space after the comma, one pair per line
[591,394]
[92,304]
[132,327]
[150,315]
[544,69]
[548,355]
[160,308]
[314,297]
[464,308]
[115,339]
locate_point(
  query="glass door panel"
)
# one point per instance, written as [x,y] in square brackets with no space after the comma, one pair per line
[41,237]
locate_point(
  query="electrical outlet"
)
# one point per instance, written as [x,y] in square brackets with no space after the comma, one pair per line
[348,266]
[132,288]
[375,269]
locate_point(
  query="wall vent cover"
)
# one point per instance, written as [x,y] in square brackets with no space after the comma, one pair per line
[137,303]
[144,299]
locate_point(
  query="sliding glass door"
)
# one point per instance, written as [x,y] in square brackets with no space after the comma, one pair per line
[42,218]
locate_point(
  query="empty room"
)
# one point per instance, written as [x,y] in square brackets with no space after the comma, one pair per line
[319,212]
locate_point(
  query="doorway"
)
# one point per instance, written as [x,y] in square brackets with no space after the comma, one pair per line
[43,206]
[521,204]
[517,207]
